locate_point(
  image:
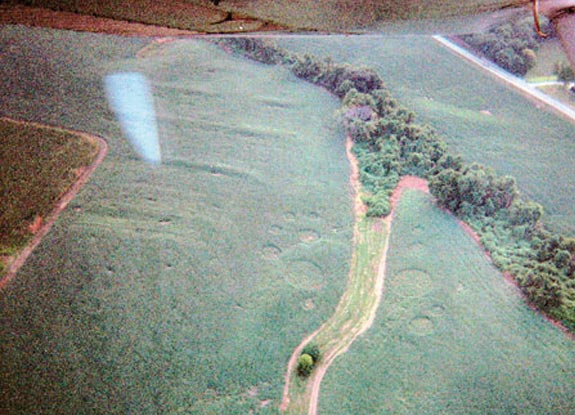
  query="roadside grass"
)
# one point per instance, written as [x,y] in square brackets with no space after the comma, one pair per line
[185,287]
[354,308]
[549,53]
[560,93]
[480,118]
[451,336]
[37,165]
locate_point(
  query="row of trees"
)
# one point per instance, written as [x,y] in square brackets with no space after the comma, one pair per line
[390,143]
[511,45]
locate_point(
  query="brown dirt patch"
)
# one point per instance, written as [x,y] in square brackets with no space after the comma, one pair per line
[408,182]
[35,226]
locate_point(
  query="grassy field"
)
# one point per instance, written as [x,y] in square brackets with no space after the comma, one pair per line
[451,335]
[37,165]
[181,288]
[480,118]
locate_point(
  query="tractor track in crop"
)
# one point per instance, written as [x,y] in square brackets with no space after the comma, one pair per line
[351,328]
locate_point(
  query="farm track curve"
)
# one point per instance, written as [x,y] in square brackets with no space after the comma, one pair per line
[16,263]
[364,319]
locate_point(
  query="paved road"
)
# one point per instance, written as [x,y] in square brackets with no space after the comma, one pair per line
[510,79]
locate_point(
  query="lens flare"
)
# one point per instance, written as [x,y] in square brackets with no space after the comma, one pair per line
[130,97]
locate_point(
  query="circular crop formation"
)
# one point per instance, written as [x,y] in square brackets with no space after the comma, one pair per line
[421,326]
[304,274]
[308,235]
[411,283]
[271,251]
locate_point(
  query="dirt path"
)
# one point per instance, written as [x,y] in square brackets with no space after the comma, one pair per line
[348,322]
[406,182]
[46,224]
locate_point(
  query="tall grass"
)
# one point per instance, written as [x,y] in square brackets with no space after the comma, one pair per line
[182,288]
[451,336]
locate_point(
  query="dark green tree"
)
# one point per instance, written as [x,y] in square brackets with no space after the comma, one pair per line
[304,365]
[313,351]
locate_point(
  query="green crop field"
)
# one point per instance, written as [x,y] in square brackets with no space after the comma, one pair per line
[451,336]
[480,118]
[37,165]
[184,287]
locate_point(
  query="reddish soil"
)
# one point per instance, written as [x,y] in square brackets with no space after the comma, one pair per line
[313,387]
[407,182]
[35,226]
[40,226]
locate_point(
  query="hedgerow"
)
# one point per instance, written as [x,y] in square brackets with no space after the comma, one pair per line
[511,45]
[389,143]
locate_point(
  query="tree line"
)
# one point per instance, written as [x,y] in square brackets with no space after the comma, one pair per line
[511,45]
[389,143]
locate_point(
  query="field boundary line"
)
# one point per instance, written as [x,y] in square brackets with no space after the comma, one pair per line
[517,83]
[18,260]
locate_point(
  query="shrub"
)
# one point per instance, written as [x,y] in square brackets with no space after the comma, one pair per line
[313,351]
[512,46]
[388,144]
[304,365]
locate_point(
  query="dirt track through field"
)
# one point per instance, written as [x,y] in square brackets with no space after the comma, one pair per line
[406,182]
[353,328]
[46,223]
